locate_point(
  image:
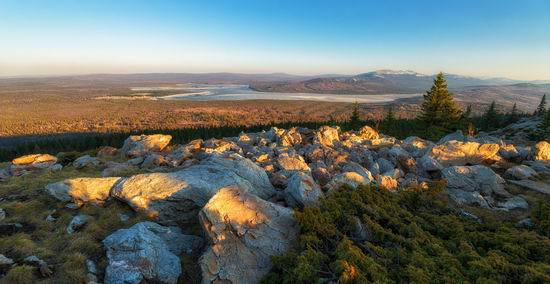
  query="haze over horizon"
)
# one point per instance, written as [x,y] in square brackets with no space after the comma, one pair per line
[489,38]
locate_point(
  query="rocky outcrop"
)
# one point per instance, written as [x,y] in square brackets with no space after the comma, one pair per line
[350,179]
[138,146]
[367,132]
[455,153]
[245,232]
[83,190]
[542,151]
[474,185]
[178,196]
[146,253]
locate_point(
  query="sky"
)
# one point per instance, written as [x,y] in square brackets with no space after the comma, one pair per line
[469,37]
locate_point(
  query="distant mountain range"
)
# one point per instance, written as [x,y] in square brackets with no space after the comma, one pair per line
[379,82]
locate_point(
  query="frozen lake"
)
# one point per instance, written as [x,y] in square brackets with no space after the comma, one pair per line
[209,92]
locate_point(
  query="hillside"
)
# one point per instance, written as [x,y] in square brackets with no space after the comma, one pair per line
[281,206]
[468,89]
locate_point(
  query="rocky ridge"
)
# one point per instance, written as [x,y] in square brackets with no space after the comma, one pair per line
[242,190]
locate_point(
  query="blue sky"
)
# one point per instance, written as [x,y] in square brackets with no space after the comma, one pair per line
[480,38]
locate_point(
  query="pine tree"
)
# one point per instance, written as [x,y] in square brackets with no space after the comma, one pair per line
[439,108]
[541,109]
[355,121]
[491,118]
[544,126]
[513,116]
[389,121]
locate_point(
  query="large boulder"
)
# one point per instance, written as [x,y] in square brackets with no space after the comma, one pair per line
[178,196]
[351,179]
[520,172]
[327,136]
[474,184]
[542,151]
[138,146]
[30,162]
[287,163]
[83,190]
[146,253]
[416,146]
[455,136]
[456,153]
[302,190]
[290,137]
[85,161]
[245,232]
[367,132]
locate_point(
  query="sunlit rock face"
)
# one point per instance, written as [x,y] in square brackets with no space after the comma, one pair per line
[178,196]
[456,153]
[542,151]
[244,231]
[138,146]
[83,190]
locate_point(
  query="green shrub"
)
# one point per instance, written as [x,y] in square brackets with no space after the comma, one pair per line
[413,236]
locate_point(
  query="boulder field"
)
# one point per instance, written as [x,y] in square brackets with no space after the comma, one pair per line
[243,190]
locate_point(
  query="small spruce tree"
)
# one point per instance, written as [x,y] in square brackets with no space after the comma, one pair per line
[389,121]
[541,109]
[355,121]
[544,126]
[513,116]
[439,109]
[491,118]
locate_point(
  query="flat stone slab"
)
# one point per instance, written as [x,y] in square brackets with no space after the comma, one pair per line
[532,185]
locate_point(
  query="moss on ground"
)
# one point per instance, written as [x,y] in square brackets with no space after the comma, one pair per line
[26,202]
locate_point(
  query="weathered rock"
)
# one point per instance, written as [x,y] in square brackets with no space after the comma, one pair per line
[416,146]
[153,160]
[327,136]
[356,168]
[2,214]
[515,202]
[107,151]
[114,169]
[542,151]
[245,232]
[321,175]
[4,175]
[526,223]
[302,189]
[290,138]
[537,186]
[178,196]
[34,159]
[429,164]
[455,153]
[220,146]
[455,136]
[385,165]
[146,252]
[351,179]
[508,152]
[77,223]
[367,132]
[137,146]
[470,184]
[5,264]
[520,172]
[82,190]
[85,161]
[287,163]
[30,162]
[137,161]
[386,182]
[43,267]
[468,215]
